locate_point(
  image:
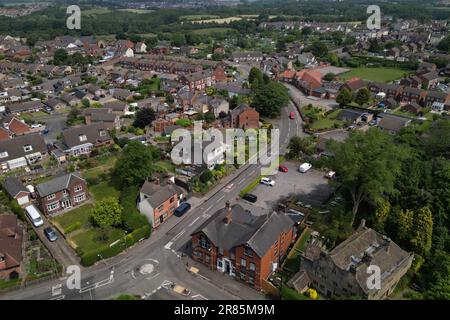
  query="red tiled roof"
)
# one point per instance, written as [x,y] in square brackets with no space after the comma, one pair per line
[18,127]
[11,235]
[4,135]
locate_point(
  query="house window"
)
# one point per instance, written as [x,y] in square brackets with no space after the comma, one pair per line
[204,243]
[51,196]
[102,133]
[78,188]
[82,137]
[252,266]
[248,252]
[160,208]
[242,275]
[251,280]
[3,154]
[207,258]
[172,199]
[65,192]
[53,206]
[243,263]
[221,251]
[80,198]
[27,148]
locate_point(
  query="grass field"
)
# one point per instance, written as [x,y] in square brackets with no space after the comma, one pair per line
[89,239]
[103,168]
[374,74]
[80,214]
[209,31]
[138,11]
[103,190]
[198,17]
[94,11]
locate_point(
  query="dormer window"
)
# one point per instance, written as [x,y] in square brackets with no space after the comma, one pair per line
[82,137]
[102,133]
[27,148]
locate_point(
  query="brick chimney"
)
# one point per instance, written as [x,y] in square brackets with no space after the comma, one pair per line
[229,213]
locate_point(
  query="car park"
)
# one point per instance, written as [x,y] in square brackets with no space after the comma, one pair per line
[303,168]
[268,182]
[250,197]
[50,234]
[182,209]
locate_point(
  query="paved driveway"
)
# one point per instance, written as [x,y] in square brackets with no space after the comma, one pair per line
[311,187]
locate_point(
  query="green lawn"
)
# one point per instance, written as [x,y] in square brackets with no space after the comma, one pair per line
[210,31]
[138,11]
[323,124]
[5,284]
[165,166]
[293,262]
[80,214]
[290,294]
[105,166]
[374,74]
[103,190]
[89,239]
[198,17]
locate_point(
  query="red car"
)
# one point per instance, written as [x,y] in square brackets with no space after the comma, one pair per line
[283,168]
[292,115]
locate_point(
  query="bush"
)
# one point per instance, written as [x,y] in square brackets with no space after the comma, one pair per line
[17,209]
[91,257]
[131,217]
[72,227]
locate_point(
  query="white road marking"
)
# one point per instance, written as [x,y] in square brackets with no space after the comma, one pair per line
[153,277]
[178,235]
[168,245]
[207,209]
[220,198]
[193,222]
[59,298]
[199,297]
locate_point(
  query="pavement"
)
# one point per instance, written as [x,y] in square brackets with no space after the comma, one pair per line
[152,267]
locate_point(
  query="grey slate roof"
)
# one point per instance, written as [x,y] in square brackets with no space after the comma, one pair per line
[71,137]
[13,186]
[259,232]
[157,194]
[15,146]
[57,184]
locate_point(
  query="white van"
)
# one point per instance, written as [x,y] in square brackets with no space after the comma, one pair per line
[304,167]
[34,216]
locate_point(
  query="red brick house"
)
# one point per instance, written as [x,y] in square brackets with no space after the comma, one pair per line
[158,202]
[11,237]
[198,80]
[244,246]
[244,117]
[62,193]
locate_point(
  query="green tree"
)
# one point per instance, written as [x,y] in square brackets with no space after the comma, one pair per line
[107,213]
[269,99]
[423,231]
[144,117]
[329,76]
[135,165]
[382,213]
[362,96]
[206,176]
[405,224]
[444,44]
[344,98]
[319,49]
[60,56]
[440,290]
[300,146]
[255,76]
[367,165]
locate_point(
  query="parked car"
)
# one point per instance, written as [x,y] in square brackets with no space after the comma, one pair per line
[330,174]
[182,209]
[304,167]
[283,168]
[292,115]
[268,182]
[34,216]
[372,123]
[50,234]
[250,197]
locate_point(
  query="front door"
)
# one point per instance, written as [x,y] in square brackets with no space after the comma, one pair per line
[66,204]
[227,266]
[161,219]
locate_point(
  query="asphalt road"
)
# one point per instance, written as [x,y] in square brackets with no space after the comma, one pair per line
[150,267]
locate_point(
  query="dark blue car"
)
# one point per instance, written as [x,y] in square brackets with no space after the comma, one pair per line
[182,209]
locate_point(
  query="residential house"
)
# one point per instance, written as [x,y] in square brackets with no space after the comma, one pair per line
[117,107]
[11,247]
[391,123]
[4,134]
[122,94]
[70,99]
[434,96]
[354,116]
[62,193]
[412,107]
[102,115]
[219,106]
[343,271]
[140,47]
[22,151]
[82,139]
[15,126]
[244,117]
[198,80]
[242,245]
[55,104]
[158,202]
[410,94]
[248,56]
[354,84]
[28,106]
[391,90]
[16,190]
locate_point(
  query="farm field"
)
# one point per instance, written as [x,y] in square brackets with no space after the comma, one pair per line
[374,74]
